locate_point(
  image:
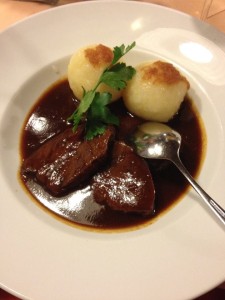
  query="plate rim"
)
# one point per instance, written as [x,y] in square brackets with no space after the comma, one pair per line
[60,8]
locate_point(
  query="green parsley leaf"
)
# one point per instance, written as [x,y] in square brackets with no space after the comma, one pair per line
[99,115]
[100,111]
[93,105]
[117,76]
[82,108]
[121,51]
[94,129]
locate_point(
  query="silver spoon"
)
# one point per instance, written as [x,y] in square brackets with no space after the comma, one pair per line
[159,141]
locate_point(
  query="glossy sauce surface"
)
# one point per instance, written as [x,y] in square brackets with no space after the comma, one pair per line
[48,117]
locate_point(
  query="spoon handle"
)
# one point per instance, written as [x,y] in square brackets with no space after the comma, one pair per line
[215,207]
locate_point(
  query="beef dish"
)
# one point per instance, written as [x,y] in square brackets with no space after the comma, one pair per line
[48,119]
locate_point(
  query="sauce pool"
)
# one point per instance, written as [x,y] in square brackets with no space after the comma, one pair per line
[48,117]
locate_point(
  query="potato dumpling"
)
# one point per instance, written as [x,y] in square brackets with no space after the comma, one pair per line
[85,68]
[156,91]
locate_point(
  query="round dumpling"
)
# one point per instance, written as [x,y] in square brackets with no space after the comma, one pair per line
[156,91]
[85,68]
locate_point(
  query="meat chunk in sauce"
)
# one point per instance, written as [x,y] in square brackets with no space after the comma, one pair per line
[67,160]
[127,184]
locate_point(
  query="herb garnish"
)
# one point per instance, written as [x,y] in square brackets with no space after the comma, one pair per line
[93,105]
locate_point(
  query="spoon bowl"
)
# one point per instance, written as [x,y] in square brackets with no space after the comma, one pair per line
[154,140]
[157,141]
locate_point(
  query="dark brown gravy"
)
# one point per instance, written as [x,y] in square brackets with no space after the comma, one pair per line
[48,117]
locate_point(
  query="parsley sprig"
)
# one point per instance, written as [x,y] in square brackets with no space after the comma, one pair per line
[93,105]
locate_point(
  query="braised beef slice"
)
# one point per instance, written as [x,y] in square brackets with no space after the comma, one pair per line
[127,184]
[67,160]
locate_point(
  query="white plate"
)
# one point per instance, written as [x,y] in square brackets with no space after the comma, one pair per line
[178,257]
